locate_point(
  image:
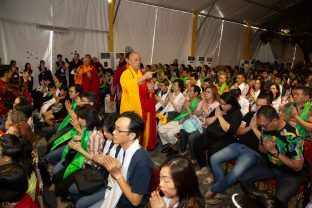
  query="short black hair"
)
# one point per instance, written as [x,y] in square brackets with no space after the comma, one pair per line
[26,108]
[13,183]
[59,55]
[78,88]
[306,90]
[109,122]
[136,122]
[64,87]
[165,82]
[196,89]
[180,83]
[195,75]
[90,96]
[268,112]
[88,113]
[51,85]
[266,94]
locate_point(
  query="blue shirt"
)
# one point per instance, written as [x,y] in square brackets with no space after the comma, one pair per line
[138,177]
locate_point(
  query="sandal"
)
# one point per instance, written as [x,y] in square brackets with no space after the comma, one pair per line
[209,195]
[216,200]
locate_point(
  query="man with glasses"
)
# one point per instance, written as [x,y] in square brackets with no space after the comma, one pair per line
[244,151]
[283,146]
[130,175]
[299,113]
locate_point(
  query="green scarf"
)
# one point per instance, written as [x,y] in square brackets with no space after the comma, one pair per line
[70,134]
[185,113]
[303,115]
[66,121]
[79,158]
[222,88]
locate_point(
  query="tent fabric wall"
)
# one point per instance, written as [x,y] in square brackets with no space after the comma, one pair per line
[173,36]
[232,44]
[85,14]
[84,42]
[134,27]
[25,43]
[208,38]
[158,34]
[86,21]
[33,11]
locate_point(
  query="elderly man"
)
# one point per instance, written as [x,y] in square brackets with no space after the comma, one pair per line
[138,96]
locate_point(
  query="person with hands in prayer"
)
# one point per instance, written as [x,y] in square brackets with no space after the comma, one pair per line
[283,146]
[130,175]
[299,113]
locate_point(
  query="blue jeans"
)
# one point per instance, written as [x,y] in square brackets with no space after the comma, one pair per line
[55,156]
[82,201]
[245,159]
[98,204]
[286,184]
[58,167]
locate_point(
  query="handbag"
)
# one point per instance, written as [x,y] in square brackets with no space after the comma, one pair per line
[171,115]
[90,179]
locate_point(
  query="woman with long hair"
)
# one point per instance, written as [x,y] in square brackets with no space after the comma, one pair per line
[203,109]
[174,190]
[222,125]
[277,100]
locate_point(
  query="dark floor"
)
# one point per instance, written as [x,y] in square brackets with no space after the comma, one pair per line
[157,157]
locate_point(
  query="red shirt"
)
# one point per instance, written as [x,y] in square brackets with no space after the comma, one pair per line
[26,202]
[116,87]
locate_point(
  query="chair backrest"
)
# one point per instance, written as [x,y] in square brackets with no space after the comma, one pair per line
[307,153]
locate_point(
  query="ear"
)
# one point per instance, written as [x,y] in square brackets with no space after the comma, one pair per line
[132,136]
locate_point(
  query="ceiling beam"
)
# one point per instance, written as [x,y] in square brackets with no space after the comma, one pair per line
[262,5]
[115,15]
[206,5]
[191,12]
[208,13]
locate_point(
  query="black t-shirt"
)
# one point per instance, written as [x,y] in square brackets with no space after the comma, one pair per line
[249,139]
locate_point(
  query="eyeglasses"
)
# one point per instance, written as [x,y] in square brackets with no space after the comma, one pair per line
[118,130]
[207,91]
[165,178]
[263,128]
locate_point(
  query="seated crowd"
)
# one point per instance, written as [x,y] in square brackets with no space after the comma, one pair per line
[258,119]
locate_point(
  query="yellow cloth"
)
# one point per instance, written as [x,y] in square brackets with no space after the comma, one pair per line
[80,71]
[130,99]
[32,185]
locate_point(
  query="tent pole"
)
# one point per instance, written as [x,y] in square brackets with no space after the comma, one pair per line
[194,27]
[111,10]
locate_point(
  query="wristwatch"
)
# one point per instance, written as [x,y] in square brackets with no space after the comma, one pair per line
[118,177]
[276,154]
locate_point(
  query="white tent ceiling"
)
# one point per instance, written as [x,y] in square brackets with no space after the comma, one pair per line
[254,12]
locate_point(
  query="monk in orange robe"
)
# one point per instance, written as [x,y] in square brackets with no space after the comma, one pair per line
[87,77]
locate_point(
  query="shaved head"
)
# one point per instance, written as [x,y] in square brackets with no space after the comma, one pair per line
[134,60]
